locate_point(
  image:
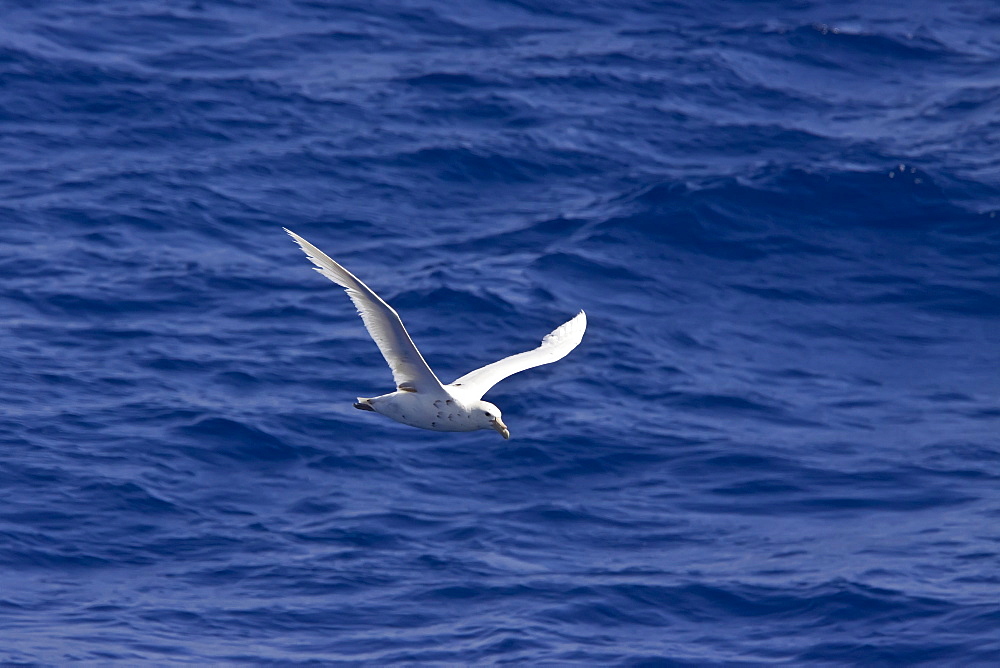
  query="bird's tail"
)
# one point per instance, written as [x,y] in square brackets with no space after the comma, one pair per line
[364,404]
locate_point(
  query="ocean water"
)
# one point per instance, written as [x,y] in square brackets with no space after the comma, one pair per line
[777,444]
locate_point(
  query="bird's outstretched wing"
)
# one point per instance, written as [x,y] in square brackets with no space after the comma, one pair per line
[409,369]
[554,347]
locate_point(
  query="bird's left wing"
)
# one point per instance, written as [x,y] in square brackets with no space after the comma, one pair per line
[409,369]
[554,347]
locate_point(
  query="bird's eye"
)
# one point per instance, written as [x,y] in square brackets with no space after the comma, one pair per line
[488,414]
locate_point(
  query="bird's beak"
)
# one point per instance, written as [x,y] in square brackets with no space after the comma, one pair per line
[501,427]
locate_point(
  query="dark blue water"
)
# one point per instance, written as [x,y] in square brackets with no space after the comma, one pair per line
[778,442]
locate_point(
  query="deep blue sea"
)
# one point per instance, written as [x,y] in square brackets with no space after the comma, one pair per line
[779,442]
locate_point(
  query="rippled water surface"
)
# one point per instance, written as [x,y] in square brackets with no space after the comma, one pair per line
[778,442]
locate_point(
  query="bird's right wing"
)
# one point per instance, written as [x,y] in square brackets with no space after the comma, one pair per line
[555,346]
[409,369]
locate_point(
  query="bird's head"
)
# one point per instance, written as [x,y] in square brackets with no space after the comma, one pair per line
[488,417]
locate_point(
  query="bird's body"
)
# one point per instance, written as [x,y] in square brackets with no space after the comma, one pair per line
[420,399]
[437,413]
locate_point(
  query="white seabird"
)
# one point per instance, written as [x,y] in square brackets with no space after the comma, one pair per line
[420,399]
